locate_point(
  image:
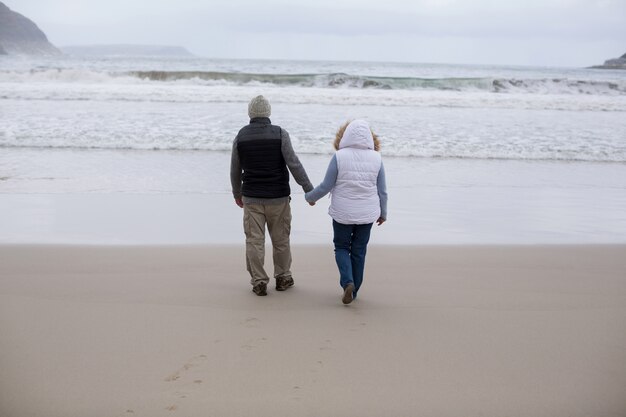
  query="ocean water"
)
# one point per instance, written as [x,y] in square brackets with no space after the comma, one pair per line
[419,110]
[474,154]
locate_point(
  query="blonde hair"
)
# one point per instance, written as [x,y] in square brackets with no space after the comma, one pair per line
[341,131]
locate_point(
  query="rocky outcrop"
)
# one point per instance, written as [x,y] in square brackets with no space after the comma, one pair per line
[127,50]
[21,36]
[615,63]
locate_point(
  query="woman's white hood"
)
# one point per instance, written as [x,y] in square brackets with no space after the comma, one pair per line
[357,135]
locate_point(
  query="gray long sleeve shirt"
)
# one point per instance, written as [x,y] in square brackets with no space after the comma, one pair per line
[291,160]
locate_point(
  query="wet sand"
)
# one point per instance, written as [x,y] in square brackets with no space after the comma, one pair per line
[437,331]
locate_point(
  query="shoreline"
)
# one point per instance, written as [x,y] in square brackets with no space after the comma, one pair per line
[308,154]
[437,330]
[167,198]
[422,215]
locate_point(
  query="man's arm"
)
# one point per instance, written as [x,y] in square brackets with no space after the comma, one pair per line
[293,163]
[235,174]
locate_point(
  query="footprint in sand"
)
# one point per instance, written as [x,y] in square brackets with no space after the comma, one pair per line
[253,343]
[360,326]
[187,382]
[172,377]
[296,391]
[248,346]
[327,343]
[191,363]
[251,322]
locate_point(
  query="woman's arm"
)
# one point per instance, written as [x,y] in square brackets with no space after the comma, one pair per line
[381,184]
[329,182]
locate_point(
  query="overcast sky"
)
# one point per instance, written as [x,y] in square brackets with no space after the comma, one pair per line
[515,32]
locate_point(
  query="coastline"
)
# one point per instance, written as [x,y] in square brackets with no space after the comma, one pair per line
[472,330]
[183,197]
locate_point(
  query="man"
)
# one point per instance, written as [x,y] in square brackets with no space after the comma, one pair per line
[261,154]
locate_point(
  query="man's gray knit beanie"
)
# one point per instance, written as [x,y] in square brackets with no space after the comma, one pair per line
[259,107]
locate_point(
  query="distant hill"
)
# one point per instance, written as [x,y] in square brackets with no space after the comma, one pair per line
[127,50]
[21,36]
[615,63]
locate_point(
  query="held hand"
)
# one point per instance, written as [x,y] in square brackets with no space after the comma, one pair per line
[239,202]
[380,221]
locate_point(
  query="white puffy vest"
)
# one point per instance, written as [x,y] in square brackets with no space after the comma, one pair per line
[354,198]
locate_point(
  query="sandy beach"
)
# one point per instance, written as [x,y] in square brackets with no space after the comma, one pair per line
[92,331]
[495,288]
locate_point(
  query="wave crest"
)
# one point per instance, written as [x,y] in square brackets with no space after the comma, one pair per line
[328,80]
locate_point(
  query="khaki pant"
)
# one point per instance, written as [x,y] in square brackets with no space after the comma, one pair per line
[278,219]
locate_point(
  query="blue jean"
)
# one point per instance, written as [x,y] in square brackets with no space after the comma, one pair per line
[350,248]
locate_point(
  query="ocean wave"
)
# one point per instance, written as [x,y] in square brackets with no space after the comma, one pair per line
[333,80]
[325,80]
[475,152]
[330,80]
[164,93]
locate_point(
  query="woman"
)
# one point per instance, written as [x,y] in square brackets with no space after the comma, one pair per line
[356,180]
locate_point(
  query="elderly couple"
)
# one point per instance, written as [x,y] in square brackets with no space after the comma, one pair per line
[261,155]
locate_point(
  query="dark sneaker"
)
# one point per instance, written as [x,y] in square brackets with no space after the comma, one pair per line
[260,288]
[283,283]
[347,294]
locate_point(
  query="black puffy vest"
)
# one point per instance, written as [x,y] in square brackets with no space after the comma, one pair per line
[265,173]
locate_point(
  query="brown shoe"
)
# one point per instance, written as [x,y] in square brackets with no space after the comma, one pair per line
[283,283]
[260,289]
[347,294]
